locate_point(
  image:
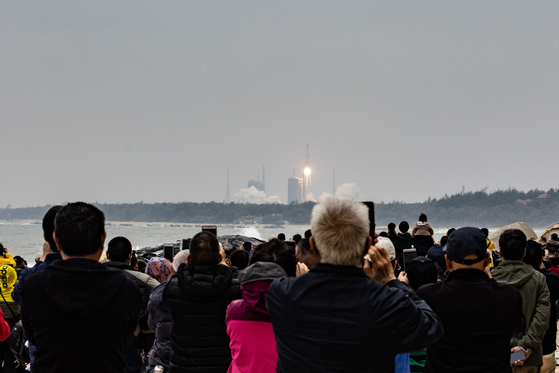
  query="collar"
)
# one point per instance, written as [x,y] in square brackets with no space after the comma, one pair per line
[55,255]
[342,270]
[467,275]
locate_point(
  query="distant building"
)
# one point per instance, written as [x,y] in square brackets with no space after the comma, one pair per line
[295,190]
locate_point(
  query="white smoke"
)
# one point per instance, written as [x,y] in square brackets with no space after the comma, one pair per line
[344,191]
[310,197]
[253,195]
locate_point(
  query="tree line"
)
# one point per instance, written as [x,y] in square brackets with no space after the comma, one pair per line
[479,208]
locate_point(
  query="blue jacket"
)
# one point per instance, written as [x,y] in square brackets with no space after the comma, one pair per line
[49,259]
[335,319]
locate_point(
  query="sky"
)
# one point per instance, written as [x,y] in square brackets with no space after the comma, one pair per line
[128,101]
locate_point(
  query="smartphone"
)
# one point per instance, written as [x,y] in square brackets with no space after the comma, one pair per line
[210,228]
[185,244]
[409,255]
[517,356]
[291,245]
[371,206]
[168,252]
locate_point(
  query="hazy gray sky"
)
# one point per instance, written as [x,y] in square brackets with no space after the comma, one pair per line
[122,101]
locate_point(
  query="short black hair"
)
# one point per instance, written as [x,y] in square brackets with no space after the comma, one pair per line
[552,246]
[297,237]
[204,249]
[247,246]
[534,254]
[383,234]
[281,237]
[554,261]
[444,240]
[512,244]
[391,227]
[119,249]
[304,246]
[485,232]
[278,252]
[239,258]
[423,217]
[448,232]
[48,226]
[79,228]
[308,233]
[403,226]
[554,236]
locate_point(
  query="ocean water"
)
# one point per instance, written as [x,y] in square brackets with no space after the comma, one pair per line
[26,239]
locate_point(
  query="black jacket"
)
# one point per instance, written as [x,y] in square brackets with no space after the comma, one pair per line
[550,338]
[145,289]
[160,321]
[473,340]
[197,297]
[80,316]
[335,319]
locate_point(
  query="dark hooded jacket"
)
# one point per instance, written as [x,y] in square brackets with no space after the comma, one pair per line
[159,319]
[80,315]
[550,338]
[197,297]
[253,346]
[535,304]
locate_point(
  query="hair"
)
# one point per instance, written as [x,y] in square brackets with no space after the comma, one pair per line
[554,261]
[204,249]
[512,244]
[297,238]
[383,234]
[247,246]
[304,247]
[485,232]
[276,251]
[423,218]
[552,246]
[281,237]
[403,226]
[1,248]
[79,228]
[391,227]
[448,232]
[444,240]
[179,259]
[308,233]
[239,258]
[142,265]
[19,260]
[48,226]
[119,249]
[534,254]
[340,229]
[554,236]
[133,260]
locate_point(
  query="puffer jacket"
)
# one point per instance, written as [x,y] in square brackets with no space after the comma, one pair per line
[159,319]
[253,345]
[197,297]
[422,229]
[535,304]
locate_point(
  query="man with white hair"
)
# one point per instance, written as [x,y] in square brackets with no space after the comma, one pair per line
[334,318]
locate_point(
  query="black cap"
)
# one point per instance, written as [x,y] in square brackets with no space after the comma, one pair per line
[421,271]
[465,241]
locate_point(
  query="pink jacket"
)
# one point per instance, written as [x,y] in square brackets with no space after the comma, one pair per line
[253,345]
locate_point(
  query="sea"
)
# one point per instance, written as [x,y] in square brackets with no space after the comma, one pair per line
[25,238]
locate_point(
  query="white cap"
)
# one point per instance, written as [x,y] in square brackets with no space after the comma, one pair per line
[387,245]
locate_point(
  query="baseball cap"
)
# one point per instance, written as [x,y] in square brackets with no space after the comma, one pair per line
[421,271]
[387,245]
[465,241]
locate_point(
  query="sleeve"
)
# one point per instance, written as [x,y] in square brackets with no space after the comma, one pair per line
[154,307]
[152,283]
[16,293]
[4,328]
[414,230]
[540,320]
[415,325]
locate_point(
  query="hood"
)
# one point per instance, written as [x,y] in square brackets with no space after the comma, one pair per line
[81,287]
[255,282]
[261,271]
[204,281]
[513,272]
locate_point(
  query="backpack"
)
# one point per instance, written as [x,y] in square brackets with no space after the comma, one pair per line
[17,341]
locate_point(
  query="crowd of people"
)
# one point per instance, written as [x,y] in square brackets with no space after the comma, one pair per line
[338,299]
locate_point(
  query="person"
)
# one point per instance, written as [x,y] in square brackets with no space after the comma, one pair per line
[422,234]
[437,254]
[159,320]
[554,260]
[462,301]
[80,315]
[405,240]
[21,264]
[535,298]
[119,254]
[239,258]
[160,269]
[421,271]
[534,257]
[197,297]
[395,241]
[281,236]
[551,248]
[308,233]
[253,346]
[334,318]
[297,237]
[490,244]
[247,246]
[6,257]
[49,256]
[10,312]
[305,253]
